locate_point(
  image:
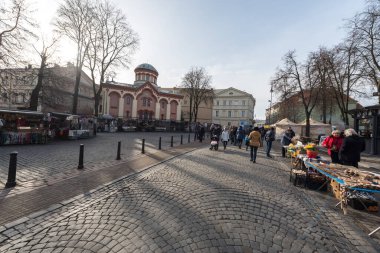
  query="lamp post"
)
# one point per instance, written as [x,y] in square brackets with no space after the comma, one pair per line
[270,106]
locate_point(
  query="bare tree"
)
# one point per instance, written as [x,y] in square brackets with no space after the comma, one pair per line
[112,42]
[344,72]
[45,53]
[16,28]
[300,79]
[74,21]
[365,30]
[197,85]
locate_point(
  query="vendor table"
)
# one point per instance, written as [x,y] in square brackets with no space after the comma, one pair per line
[346,185]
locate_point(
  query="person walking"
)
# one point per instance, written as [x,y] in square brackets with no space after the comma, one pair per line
[286,140]
[351,148]
[201,133]
[269,138]
[255,142]
[333,143]
[240,136]
[225,137]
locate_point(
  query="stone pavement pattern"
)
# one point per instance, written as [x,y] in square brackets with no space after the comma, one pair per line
[204,201]
[42,165]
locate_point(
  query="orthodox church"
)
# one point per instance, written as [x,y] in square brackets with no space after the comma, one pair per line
[142,100]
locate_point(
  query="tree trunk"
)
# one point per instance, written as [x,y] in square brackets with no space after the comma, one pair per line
[307,130]
[76,90]
[191,112]
[36,91]
[97,102]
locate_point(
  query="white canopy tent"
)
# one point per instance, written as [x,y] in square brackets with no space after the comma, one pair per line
[282,125]
[316,128]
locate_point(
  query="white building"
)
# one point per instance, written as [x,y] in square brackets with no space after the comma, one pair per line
[233,107]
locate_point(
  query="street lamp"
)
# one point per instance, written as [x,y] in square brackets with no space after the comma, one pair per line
[270,101]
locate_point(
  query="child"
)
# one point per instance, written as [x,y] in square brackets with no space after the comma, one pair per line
[246,141]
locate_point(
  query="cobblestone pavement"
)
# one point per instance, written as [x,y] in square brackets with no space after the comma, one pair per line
[41,165]
[204,201]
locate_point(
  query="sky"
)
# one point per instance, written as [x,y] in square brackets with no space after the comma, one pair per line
[240,43]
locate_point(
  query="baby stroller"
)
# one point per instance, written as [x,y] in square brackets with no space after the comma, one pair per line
[214,142]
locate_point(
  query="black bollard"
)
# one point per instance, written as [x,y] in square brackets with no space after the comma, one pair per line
[143,146]
[188,139]
[159,144]
[181,139]
[171,142]
[12,170]
[118,151]
[81,151]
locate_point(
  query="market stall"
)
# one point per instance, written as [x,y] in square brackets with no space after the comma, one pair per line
[283,125]
[68,126]
[316,129]
[22,127]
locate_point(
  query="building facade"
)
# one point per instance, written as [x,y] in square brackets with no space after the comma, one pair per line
[204,109]
[143,99]
[56,94]
[293,109]
[233,107]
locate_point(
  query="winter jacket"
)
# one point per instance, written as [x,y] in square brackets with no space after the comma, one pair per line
[240,133]
[351,148]
[225,136]
[287,138]
[255,139]
[269,136]
[333,144]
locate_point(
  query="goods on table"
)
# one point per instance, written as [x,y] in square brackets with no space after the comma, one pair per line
[352,177]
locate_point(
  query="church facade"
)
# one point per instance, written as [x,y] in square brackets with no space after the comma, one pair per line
[143,100]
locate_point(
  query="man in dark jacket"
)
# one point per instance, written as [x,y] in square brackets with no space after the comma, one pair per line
[287,139]
[269,138]
[352,146]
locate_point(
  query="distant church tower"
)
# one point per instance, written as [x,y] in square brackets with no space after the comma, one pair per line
[144,73]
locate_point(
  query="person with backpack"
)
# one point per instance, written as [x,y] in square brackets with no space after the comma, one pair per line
[269,138]
[240,136]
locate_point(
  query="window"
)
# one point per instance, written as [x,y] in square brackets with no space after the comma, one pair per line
[217,113]
[229,114]
[128,100]
[243,113]
[243,102]
[217,102]
[163,104]
[146,102]
[230,102]
[224,102]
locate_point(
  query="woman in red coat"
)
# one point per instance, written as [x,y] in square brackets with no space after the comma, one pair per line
[333,143]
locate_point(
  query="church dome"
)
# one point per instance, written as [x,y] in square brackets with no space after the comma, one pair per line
[146,66]
[145,73]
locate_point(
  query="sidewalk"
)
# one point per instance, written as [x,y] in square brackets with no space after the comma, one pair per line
[21,205]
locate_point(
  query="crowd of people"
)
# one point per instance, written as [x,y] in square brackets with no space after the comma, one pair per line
[343,147]
[252,138]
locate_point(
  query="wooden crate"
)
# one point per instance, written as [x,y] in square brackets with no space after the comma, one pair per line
[335,189]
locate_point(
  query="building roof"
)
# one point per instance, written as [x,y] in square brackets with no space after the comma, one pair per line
[146,66]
